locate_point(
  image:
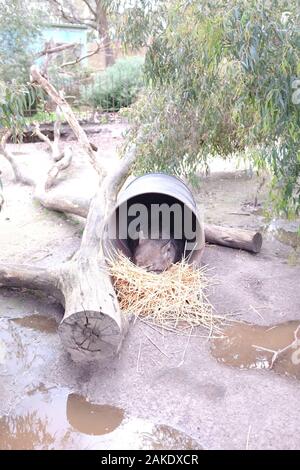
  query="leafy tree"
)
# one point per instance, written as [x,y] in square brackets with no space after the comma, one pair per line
[130,22]
[95,14]
[220,79]
[18,31]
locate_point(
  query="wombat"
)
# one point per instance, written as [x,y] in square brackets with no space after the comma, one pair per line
[157,255]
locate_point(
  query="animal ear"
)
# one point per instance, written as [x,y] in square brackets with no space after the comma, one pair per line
[166,247]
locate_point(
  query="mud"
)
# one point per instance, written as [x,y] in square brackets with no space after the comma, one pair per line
[247,346]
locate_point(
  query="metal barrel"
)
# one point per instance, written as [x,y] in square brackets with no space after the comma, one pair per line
[157,189]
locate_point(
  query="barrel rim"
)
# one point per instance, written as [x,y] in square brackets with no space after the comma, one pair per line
[126,186]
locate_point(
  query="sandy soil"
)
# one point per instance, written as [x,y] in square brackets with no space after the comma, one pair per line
[47,401]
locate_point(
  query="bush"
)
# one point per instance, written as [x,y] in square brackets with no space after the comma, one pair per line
[116,87]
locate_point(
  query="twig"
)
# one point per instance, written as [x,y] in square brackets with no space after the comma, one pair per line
[239,213]
[79,59]
[185,349]
[248,437]
[279,351]
[156,346]
[259,314]
[56,49]
[138,358]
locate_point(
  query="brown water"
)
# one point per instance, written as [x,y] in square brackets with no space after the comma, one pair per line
[38,322]
[52,420]
[248,346]
[90,418]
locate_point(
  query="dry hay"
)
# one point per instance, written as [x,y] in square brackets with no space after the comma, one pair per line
[175,299]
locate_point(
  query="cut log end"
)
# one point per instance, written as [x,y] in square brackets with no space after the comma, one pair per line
[90,336]
[257,242]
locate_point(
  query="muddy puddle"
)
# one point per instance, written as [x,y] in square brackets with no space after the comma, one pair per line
[90,418]
[51,418]
[248,346]
[38,322]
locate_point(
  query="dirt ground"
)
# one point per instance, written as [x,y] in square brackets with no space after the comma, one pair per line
[163,390]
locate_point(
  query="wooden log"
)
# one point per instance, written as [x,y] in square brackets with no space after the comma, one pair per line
[29,277]
[233,237]
[93,327]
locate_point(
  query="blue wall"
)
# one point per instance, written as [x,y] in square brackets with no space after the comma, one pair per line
[62,34]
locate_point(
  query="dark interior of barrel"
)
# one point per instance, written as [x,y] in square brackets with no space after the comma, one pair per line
[127,244]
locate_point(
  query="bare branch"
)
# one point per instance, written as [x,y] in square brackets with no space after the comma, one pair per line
[56,49]
[69,115]
[90,7]
[19,176]
[72,17]
[103,204]
[59,166]
[76,61]
[37,131]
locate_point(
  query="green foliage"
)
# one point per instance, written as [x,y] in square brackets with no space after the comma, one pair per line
[41,117]
[18,31]
[117,86]
[15,100]
[220,80]
[137,21]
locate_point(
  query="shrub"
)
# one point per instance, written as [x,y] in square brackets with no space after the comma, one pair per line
[117,86]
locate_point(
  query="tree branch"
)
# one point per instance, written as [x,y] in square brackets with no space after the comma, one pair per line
[56,49]
[79,59]
[69,116]
[90,7]
[18,174]
[59,166]
[72,17]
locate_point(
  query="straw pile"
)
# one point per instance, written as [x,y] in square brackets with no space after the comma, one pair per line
[175,299]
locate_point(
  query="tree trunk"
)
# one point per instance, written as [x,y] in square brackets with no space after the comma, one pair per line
[103,31]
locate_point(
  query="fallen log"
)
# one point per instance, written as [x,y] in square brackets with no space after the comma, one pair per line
[233,237]
[30,136]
